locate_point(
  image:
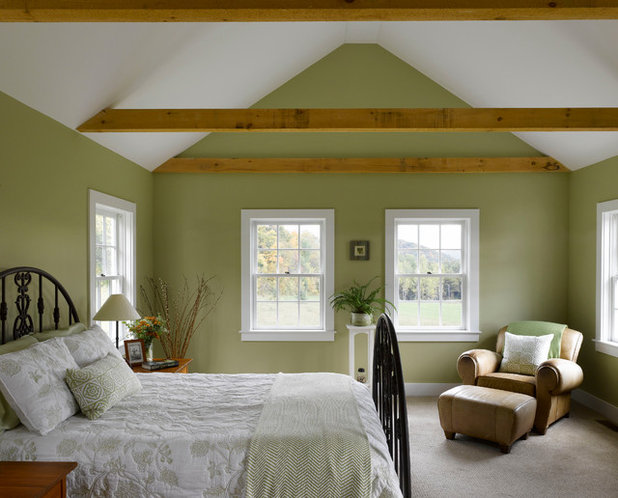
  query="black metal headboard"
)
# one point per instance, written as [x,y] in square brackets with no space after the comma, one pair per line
[21,277]
[390,399]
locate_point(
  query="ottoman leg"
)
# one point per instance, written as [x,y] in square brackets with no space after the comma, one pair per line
[505,448]
[449,435]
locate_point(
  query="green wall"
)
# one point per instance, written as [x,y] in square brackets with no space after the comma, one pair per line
[46,170]
[590,185]
[523,235]
[359,76]
[524,217]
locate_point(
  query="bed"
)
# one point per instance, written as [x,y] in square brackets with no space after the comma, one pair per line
[193,434]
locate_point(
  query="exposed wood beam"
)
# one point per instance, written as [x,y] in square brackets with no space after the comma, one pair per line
[353,120]
[363,165]
[301,10]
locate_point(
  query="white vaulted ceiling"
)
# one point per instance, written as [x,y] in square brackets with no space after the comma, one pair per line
[71,71]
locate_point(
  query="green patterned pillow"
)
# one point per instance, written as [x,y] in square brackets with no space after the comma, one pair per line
[100,385]
[524,353]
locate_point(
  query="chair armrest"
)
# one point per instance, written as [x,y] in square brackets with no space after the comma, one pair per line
[558,376]
[476,362]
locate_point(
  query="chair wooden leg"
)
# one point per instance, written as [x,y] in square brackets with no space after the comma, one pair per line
[449,435]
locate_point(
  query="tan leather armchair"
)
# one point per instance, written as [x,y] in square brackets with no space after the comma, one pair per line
[551,385]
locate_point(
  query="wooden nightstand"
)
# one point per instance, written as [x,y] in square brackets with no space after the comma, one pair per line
[30,479]
[182,367]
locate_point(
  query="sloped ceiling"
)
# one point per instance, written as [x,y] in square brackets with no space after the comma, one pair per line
[71,71]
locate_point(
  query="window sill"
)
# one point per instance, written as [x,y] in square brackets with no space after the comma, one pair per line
[610,348]
[287,335]
[438,335]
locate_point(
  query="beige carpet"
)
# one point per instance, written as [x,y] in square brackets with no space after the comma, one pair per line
[578,457]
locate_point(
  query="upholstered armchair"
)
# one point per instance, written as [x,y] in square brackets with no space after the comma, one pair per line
[551,385]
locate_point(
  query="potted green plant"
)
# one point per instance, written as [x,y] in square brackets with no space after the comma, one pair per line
[360,301]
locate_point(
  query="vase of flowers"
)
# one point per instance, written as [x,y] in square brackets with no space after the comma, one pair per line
[148,329]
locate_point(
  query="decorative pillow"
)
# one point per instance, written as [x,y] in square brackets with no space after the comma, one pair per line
[100,385]
[524,353]
[90,346]
[32,380]
[531,327]
[8,417]
[76,328]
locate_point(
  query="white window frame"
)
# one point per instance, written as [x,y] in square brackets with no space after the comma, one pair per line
[607,277]
[249,218]
[469,332]
[126,212]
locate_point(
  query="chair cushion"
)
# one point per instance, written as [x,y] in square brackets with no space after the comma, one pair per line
[516,383]
[523,354]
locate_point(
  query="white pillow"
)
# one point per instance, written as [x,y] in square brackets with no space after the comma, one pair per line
[524,353]
[32,381]
[90,345]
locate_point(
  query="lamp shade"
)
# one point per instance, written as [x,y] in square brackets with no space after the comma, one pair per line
[117,307]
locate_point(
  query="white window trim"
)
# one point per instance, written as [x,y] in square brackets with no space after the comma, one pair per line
[112,203]
[607,241]
[470,331]
[276,215]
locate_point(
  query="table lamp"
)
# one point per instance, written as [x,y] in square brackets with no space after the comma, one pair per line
[117,307]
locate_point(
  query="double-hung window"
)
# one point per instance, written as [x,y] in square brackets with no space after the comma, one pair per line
[432,273]
[607,278]
[287,274]
[112,253]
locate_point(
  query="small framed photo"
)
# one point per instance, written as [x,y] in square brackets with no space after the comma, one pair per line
[359,250]
[135,351]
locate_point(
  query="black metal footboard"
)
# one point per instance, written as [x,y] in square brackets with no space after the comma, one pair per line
[390,399]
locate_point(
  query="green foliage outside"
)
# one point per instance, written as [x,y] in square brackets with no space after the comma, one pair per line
[289,257]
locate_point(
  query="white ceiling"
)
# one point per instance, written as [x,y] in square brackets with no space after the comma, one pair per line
[71,71]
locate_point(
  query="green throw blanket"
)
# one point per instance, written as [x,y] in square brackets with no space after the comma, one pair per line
[540,328]
[309,441]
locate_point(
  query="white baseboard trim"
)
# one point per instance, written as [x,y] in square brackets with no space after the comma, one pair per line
[426,388]
[597,404]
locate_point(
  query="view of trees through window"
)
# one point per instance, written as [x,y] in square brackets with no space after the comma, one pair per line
[288,277]
[107,279]
[429,276]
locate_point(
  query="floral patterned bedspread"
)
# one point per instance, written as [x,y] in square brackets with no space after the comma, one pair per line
[180,436]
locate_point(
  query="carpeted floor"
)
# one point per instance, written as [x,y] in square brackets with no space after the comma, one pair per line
[577,457]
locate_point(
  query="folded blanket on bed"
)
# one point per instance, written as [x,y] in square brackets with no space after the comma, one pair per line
[309,441]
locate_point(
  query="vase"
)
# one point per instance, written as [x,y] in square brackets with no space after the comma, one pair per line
[149,353]
[361,319]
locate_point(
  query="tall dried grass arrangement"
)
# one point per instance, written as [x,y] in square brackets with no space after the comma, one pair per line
[183,311]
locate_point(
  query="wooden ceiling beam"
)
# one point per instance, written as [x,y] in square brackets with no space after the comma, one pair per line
[353,120]
[363,165]
[299,10]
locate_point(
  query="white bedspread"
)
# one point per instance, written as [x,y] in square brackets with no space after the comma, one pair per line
[181,436]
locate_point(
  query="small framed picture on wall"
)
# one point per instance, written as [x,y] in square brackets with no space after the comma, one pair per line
[359,250]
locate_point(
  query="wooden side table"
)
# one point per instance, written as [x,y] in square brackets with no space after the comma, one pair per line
[370,330]
[30,479]
[182,368]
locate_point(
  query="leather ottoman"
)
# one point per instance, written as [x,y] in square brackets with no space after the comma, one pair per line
[499,416]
